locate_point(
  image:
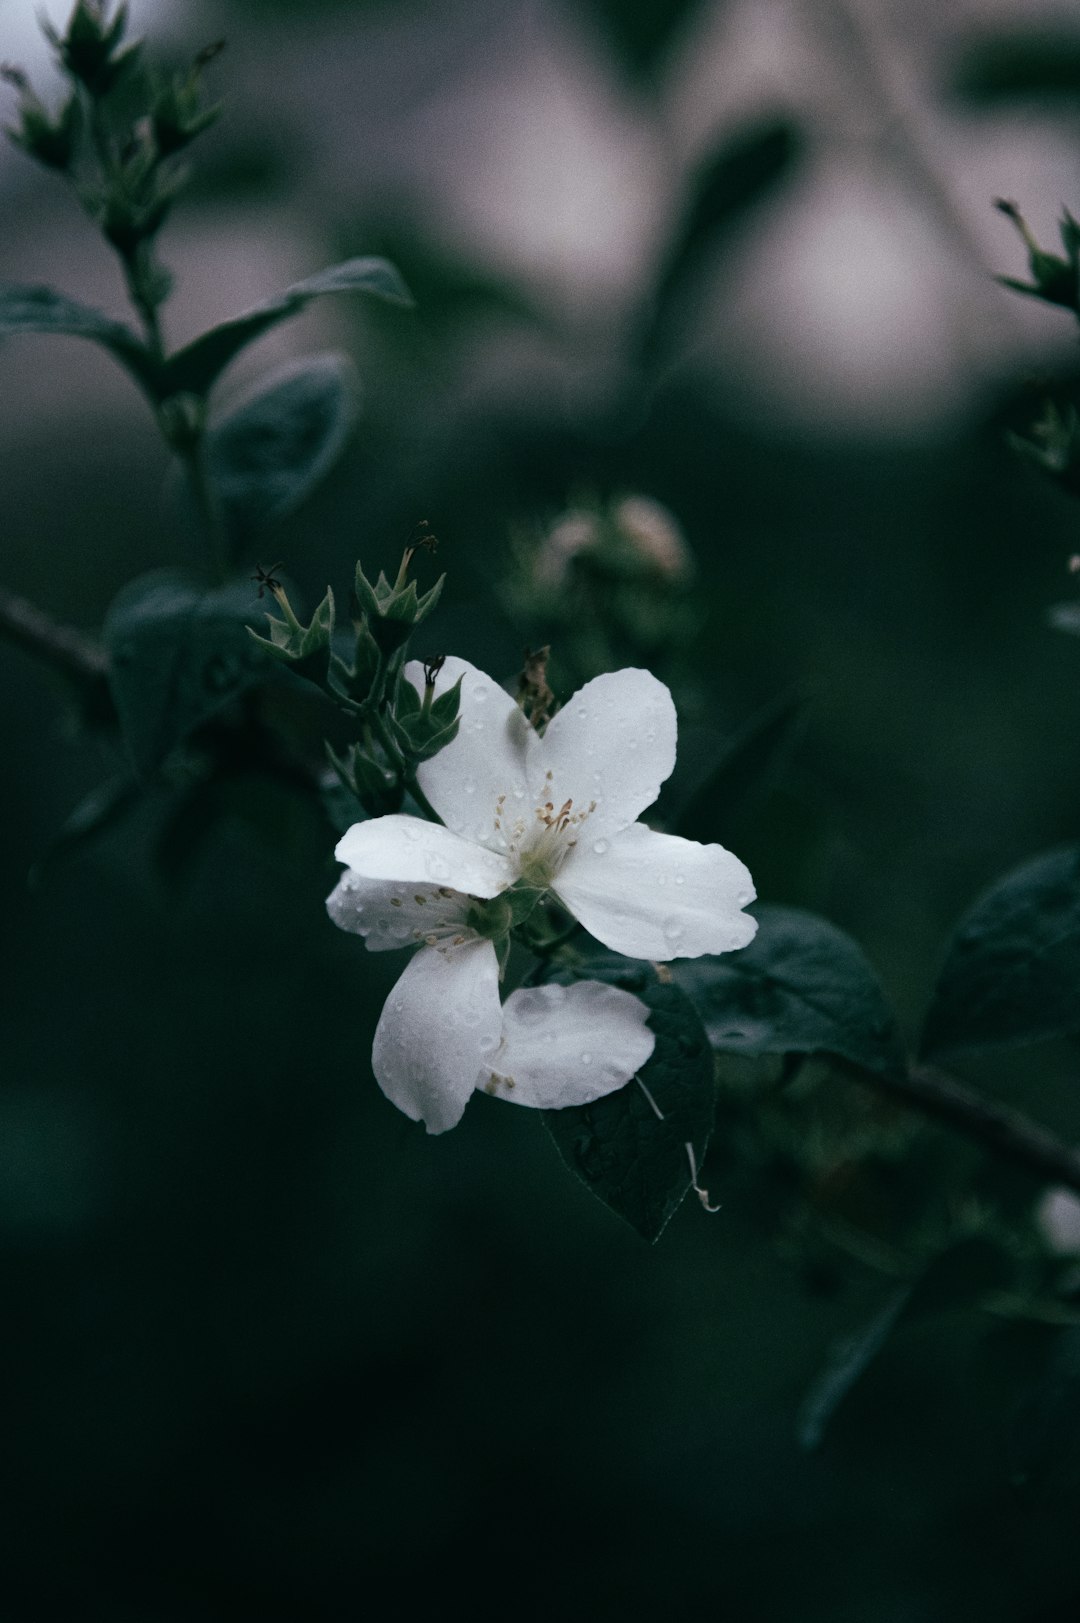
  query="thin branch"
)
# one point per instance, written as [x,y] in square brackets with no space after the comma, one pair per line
[998,1128]
[66,649]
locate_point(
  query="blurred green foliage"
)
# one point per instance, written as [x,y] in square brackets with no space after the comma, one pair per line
[272,1353]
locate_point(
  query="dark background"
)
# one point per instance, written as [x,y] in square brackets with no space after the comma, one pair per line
[272,1353]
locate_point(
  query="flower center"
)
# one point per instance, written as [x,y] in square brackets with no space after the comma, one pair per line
[540,844]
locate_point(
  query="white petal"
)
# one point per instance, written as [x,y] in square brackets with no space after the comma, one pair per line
[486,759]
[440,1023]
[568,1045]
[388,913]
[613,743]
[412,851]
[656,896]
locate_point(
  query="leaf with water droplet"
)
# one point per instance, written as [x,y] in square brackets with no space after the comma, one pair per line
[178,653]
[801,987]
[631,1158]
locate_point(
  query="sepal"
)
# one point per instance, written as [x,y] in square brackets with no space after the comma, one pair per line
[305,648]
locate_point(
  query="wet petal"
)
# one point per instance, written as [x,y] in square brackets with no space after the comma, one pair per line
[440,1022]
[569,1045]
[486,760]
[410,850]
[657,896]
[388,913]
[613,743]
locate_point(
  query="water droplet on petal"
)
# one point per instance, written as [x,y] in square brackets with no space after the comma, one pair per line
[650,736]
[673,931]
[436,866]
[414,829]
[583,711]
[680,879]
[586,1058]
[469,786]
[743,897]
[599,847]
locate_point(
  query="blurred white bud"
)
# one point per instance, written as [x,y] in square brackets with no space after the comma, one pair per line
[653,533]
[1058,1216]
[575,532]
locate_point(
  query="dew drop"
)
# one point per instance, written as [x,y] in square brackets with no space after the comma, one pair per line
[487,1045]
[469,786]
[586,1058]
[650,736]
[583,711]
[673,931]
[436,867]
[599,847]
[680,879]
[743,897]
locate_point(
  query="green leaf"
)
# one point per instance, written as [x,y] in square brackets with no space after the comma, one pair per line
[106,805]
[801,987]
[273,448]
[43,310]
[1012,970]
[728,183]
[194,369]
[957,1277]
[741,770]
[1022,66]
[845,1366]
[178,653]
[632,1158]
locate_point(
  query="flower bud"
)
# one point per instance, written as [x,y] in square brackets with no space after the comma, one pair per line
[394,612]
[178,114]
[1054,279]
[50,141]
[89,48]
[306,649]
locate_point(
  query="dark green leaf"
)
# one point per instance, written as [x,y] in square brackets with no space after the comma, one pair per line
[280,441]
[1027,66]
[845,1366]
[641,30]
[632,1158]
[801,987]
[741,770]
[178,653]
[727,184]
[101,809]
[194,370]
[1012,970]
[43,310]
[959,1276]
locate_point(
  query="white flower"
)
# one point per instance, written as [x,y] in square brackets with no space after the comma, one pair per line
[443,1034]
[558,813]
[540,814]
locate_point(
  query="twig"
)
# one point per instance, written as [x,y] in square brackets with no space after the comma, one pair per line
[1006,1132]
[63,647]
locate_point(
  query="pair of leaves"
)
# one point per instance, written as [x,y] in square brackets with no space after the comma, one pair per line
[178,653]
[1012,970]
[630,1148]
[196,368]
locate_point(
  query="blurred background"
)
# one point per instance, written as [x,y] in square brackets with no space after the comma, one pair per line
[272,1353]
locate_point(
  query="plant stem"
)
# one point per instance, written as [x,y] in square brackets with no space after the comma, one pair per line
[67,650]
[999,1128]
[193,457]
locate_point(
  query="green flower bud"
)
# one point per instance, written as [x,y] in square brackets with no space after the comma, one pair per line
[51,141]
[1054,279]
[89,49]
[393,612]
[306,649]
[178,114]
